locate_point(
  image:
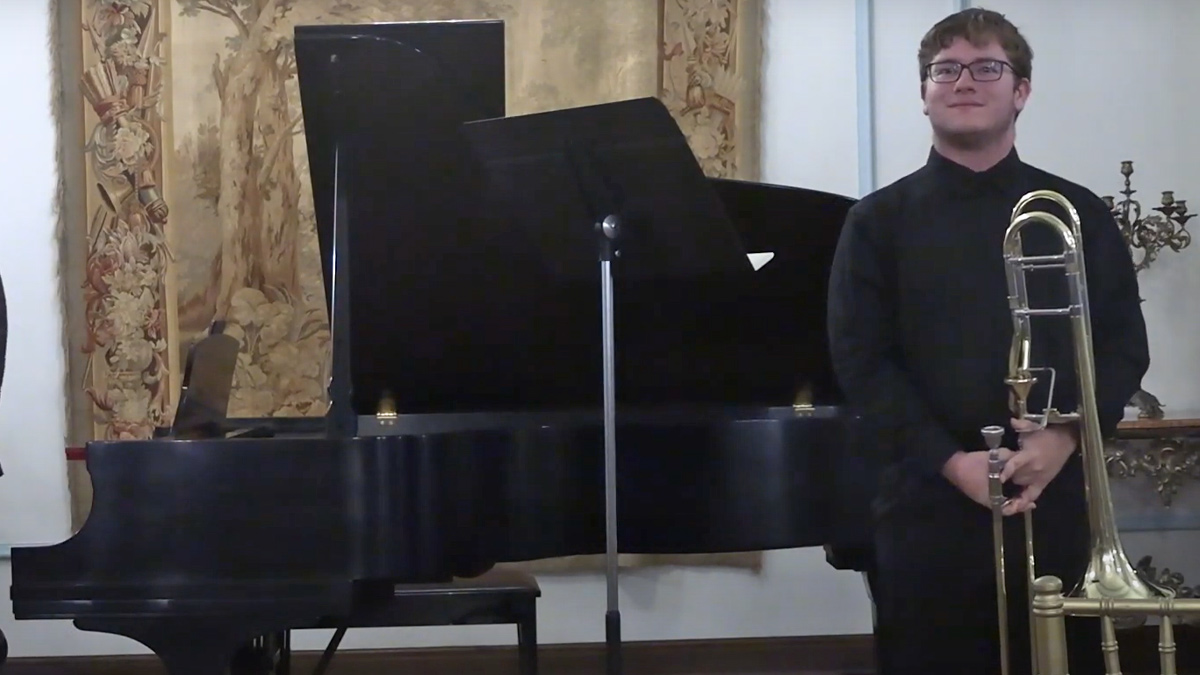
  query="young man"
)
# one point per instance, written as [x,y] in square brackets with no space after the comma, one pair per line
[920,332]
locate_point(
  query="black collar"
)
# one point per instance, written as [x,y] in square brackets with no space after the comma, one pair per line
[1003,176]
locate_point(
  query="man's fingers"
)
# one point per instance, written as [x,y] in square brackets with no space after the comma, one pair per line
[1015,461]
[1029,495]
[1023,425]
[1026,501]
[1018,505]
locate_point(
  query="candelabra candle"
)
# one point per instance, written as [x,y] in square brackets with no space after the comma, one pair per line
[1167,228]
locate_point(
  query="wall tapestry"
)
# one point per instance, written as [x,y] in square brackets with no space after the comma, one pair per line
[185,193]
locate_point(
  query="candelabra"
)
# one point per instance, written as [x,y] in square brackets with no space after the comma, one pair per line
[1151,233]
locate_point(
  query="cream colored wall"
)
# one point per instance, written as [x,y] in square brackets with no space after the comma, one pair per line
[1094,105]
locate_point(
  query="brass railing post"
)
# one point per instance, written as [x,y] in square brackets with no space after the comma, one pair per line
[1049,626]
[1050,609]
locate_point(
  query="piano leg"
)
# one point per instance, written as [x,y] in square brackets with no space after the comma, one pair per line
[202,645]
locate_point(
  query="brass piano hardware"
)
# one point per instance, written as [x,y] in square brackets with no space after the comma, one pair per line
[803,401]
[385,413]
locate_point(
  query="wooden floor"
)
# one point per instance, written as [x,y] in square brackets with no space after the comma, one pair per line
[820,655]
[811,655]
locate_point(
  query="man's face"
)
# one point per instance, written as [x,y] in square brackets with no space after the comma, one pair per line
[967,109]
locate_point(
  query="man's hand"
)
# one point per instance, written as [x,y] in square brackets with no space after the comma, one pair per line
[1043,454]
[968,471]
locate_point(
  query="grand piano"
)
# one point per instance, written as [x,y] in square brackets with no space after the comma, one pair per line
[465,424]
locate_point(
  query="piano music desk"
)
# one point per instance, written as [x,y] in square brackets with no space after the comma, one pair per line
[495,597]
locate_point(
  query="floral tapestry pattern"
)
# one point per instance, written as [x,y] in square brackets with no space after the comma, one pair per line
[194,205]
[707,88]
[126,289]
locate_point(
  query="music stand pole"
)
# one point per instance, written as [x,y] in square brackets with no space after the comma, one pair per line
[587,165]
[608,230]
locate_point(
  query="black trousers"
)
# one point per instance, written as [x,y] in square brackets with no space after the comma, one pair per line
[934,583]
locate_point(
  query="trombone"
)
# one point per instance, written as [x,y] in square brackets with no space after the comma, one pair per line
[1109,574]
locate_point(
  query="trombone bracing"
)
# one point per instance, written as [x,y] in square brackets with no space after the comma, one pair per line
[1110,585]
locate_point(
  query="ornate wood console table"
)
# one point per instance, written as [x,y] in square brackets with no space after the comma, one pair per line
[1154,472]
[1167,451]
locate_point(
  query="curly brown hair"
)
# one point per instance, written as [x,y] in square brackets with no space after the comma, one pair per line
[978,26]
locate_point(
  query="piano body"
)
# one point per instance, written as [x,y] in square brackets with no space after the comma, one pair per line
[465,426]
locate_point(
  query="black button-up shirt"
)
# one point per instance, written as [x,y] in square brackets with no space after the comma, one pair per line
[919,321]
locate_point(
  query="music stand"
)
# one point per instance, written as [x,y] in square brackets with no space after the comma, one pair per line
[615,183]
[207,384]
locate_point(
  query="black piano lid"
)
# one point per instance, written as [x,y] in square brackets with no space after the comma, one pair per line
[453,309]
[395,82]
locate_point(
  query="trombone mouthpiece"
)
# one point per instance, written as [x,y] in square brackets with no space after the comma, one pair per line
[992,435]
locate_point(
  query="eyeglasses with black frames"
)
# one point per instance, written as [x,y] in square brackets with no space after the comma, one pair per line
[983,70]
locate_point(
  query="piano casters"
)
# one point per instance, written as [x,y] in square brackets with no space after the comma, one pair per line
[1109,575]
[608,230]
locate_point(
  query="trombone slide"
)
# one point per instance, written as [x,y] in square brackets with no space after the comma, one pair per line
[1109,574]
